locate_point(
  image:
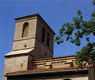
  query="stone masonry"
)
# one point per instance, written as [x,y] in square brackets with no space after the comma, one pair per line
[18,58]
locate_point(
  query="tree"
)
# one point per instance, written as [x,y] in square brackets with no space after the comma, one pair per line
[74,32]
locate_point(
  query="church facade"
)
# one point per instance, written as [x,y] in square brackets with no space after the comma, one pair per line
[32,55]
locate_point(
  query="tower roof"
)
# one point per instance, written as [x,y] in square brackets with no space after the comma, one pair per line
[34,15]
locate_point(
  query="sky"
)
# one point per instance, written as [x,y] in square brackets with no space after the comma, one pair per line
[54,12]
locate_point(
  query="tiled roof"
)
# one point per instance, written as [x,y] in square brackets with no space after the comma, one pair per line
[49,70]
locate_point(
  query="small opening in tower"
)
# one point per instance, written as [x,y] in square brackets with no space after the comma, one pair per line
[25,45]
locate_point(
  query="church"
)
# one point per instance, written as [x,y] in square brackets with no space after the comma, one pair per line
[32,55]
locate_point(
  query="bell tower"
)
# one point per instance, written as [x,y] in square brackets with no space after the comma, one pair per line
[33,39]
[25,33]
[32,32]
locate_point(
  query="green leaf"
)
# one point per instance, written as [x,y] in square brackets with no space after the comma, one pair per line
[57,38]
[72,41]
[61,29]
[79,12]
[77,41]
[58,42]
[81,17]
[87,39]
[67,38]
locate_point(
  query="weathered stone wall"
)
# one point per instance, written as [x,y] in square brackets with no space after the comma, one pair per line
[44,51]
[41,24]
[39,52]
[18,40]
[58,62]
[15,63]
[24,44]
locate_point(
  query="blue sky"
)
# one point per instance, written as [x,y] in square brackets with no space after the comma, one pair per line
[54,12]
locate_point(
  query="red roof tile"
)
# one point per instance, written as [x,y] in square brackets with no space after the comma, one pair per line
[49,69]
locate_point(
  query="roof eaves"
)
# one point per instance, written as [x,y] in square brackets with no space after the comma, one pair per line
[49,71]
[27,16]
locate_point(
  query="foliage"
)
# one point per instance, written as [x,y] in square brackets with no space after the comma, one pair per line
[75,31]
[86,55]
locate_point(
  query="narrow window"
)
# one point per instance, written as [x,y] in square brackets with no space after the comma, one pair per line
[43,34]
[25,29]
[46,54]
[48,39]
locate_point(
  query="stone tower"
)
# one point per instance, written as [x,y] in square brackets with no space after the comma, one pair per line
[33,39]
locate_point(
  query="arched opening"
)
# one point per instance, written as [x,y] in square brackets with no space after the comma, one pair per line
[25,29]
